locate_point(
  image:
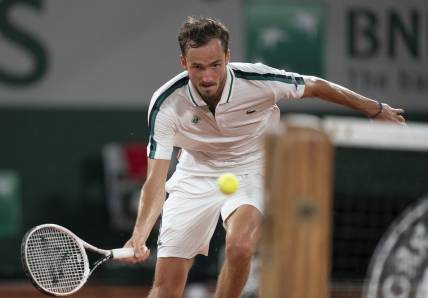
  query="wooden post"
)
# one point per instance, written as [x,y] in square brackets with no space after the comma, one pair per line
[296,231]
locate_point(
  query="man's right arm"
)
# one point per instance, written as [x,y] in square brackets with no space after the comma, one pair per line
[152,198]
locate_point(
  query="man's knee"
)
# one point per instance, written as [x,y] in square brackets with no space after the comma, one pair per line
[238,251]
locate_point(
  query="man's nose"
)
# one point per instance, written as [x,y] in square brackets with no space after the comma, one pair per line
[207,76]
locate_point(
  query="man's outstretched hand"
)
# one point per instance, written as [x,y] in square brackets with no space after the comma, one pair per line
[391,114]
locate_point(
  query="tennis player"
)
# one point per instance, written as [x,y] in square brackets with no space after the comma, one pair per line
[216,111]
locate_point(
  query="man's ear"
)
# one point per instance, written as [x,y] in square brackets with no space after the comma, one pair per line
[183,61]
[228,56]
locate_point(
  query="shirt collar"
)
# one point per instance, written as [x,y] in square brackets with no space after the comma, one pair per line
[196,99]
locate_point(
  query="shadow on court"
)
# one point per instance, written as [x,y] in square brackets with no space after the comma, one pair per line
[25,290]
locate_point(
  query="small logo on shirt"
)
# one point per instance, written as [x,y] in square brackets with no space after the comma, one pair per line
[250,112]
[195,119]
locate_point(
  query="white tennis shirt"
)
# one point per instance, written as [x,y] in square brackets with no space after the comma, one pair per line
[230,141]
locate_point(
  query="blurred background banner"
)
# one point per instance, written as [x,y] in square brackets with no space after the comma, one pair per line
[380,48]
[95,53]
[87,54]
[278,33]
[373,47]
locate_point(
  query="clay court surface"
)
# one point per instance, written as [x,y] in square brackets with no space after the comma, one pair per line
[26,290]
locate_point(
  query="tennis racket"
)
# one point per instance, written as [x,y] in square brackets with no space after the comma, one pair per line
[56,260]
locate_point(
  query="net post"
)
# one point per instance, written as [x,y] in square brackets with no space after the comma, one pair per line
[296,244]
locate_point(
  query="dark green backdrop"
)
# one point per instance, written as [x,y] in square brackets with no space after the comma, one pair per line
[56,154]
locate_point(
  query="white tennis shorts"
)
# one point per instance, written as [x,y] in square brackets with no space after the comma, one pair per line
[191,212]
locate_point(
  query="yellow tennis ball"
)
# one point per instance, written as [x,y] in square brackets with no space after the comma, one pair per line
[228,183]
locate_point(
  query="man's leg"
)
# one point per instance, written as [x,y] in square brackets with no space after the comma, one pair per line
[170,277]
[242,234]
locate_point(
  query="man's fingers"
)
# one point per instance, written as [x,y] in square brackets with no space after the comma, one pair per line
[138,251]
[146,252]
[402,120]
[141,252]
[399,111]
[127,260]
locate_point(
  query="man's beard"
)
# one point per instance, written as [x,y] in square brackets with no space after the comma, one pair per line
[209,95]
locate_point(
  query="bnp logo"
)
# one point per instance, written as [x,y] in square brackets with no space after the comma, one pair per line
[372,33]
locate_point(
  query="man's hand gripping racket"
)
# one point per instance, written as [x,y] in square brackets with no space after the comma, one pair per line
[55,259]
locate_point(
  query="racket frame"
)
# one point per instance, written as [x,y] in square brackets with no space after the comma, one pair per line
[108,254]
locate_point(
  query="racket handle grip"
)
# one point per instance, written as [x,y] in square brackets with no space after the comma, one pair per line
[120,253]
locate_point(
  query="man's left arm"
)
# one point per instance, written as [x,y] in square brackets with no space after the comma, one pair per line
[323,89]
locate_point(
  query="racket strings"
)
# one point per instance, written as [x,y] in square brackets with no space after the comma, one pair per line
[55,260]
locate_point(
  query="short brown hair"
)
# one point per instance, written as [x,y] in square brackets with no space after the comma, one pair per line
[198,31]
